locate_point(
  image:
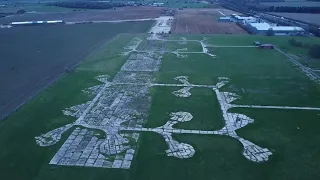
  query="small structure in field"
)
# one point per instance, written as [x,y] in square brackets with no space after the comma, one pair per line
[257,43]
[224,19]
[266,46]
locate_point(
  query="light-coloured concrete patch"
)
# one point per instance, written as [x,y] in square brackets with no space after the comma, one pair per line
[163,25]
[114,105]
[179,55]
[184,92]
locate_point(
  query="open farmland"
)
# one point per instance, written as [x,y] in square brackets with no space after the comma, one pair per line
[305,17]
[33,57]
[124,13]
[147,107]
[204,21]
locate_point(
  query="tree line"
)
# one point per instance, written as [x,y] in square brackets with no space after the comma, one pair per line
[315,30]
[86,5]
[4,14]
[288,9]
[313,49]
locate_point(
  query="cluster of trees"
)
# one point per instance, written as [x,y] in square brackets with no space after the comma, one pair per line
[86,5]
[21,11]
[315,30]
[314,49]
[270,32]
[4,14]
[289,9]
[295,43]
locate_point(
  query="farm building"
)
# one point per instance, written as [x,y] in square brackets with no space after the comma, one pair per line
[30,23]
[262,28]
[158,4]
[224,19]
[25,23]
[251,20]
[54,22]
[244,18]
[266,46]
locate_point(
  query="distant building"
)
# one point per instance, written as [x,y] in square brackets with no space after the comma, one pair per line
[243,18]
[158,4]
[55,22]
[262,28]
[30,23]
[266,46]
[21,23]
[224,19]
[250,20]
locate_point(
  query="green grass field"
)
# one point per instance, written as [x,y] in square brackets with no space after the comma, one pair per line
[258,76]
[280,41]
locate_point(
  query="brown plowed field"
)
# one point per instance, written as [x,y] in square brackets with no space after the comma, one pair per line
[123,13]
[31,58]
[204,21]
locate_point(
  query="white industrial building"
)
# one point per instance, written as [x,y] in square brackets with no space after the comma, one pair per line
[158,4]
[262,28]
[236,18]
[26,23]
[243,18]
[225,19]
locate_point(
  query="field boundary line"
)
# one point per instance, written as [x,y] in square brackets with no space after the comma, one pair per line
[307,71]
[276,107]
[231,46]
[108,21]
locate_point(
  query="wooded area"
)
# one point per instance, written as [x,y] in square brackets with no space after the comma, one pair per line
[288,9]
[87,5]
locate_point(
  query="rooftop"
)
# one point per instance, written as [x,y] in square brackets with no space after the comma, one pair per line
[35,22]
[265,26]
[224,18]
[243,17]
[26,22]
